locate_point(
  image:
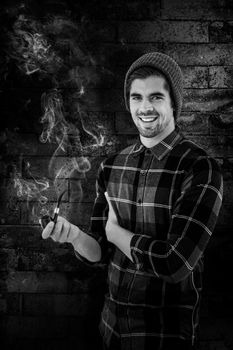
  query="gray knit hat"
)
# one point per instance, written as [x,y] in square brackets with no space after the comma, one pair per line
[166,65]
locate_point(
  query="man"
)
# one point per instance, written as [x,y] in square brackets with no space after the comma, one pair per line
[164,194]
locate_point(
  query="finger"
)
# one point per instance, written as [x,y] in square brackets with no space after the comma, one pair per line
[65,232]
[57,231]
[48,230]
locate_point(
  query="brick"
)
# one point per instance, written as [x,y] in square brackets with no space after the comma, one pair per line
[99,100]
[3,306]
[53,168]
[228,190]
[26,144]
[13,303]
[36,327]
[52,256]
[8,259]
[195,77]
[193,123]
[185,54]
[227,167]
[215,329]
[208,100]
[105,31]
[24,113]
[10,213]
[36,282]
[79,216]
[212,345]
[31,212]
[88,191]
[38,166]
[163,31]
[96,132]
[124,124]
[57,257]
[213,145]
[198,54]
[82,280]
[95,164]
[118,10]
[221,77]
[82,211]
[220,305]
[62,304]
[221,32]
[221,124]
[20,236]
[39,190]
[126,53]
[213,10]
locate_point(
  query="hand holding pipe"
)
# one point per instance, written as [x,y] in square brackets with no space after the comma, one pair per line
[45,219]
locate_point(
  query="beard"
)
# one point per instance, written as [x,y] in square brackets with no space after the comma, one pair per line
[154,128]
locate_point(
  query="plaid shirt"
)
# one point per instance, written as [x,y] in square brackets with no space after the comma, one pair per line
[169,197]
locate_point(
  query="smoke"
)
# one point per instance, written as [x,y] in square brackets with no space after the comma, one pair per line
[56,49]
[30,189]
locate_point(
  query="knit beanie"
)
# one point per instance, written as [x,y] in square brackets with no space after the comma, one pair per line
[166,65]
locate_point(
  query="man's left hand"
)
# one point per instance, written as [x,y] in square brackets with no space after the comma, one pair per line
[112,221]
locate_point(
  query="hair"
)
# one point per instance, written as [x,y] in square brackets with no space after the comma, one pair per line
[145,72]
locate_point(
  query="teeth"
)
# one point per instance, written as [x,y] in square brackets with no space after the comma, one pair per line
[148,119]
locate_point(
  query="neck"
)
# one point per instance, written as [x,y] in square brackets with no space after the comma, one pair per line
[149,142]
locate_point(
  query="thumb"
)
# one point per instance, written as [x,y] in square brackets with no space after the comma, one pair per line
[48,230]
[108,200]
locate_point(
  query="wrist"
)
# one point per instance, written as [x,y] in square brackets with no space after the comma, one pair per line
[75,236]
[112,232]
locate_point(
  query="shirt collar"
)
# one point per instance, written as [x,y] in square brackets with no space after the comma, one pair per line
[161,149]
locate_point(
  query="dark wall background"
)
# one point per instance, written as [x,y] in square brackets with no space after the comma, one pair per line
[62,71]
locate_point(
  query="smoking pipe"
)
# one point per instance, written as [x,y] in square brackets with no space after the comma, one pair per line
[45,219]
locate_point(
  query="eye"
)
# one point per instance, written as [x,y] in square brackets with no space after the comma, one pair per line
[156,98]
[135,97]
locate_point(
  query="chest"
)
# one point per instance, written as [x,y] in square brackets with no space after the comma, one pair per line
[145,180]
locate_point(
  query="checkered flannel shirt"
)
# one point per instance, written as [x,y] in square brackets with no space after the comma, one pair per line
[169,197]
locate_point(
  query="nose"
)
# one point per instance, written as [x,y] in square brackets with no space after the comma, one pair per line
[146,106]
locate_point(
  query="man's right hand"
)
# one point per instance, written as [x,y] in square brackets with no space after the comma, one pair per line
[62,231]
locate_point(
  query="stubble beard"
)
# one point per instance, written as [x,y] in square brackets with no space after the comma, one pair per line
[161,124]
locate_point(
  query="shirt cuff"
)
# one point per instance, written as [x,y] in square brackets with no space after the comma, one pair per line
[138,245]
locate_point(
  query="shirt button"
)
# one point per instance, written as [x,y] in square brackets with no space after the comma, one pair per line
[143,172]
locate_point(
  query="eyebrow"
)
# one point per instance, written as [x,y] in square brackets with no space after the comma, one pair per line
[135,94]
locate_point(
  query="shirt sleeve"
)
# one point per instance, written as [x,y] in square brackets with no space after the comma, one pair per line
[193,219]
[98,220]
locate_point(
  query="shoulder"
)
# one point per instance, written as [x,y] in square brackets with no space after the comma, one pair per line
[192,158]
[193,152]
[199,163]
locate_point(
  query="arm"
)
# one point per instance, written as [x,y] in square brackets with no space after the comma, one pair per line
[65,232]
[192,222]
[89,247]
[116,234]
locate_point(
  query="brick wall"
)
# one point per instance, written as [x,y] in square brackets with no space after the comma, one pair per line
[49,299]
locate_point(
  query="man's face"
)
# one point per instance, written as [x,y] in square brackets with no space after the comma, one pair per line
[150,106]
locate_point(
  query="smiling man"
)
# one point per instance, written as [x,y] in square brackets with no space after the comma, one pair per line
[156,207]
[151,109]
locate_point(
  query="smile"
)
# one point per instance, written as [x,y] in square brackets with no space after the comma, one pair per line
[148,119]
